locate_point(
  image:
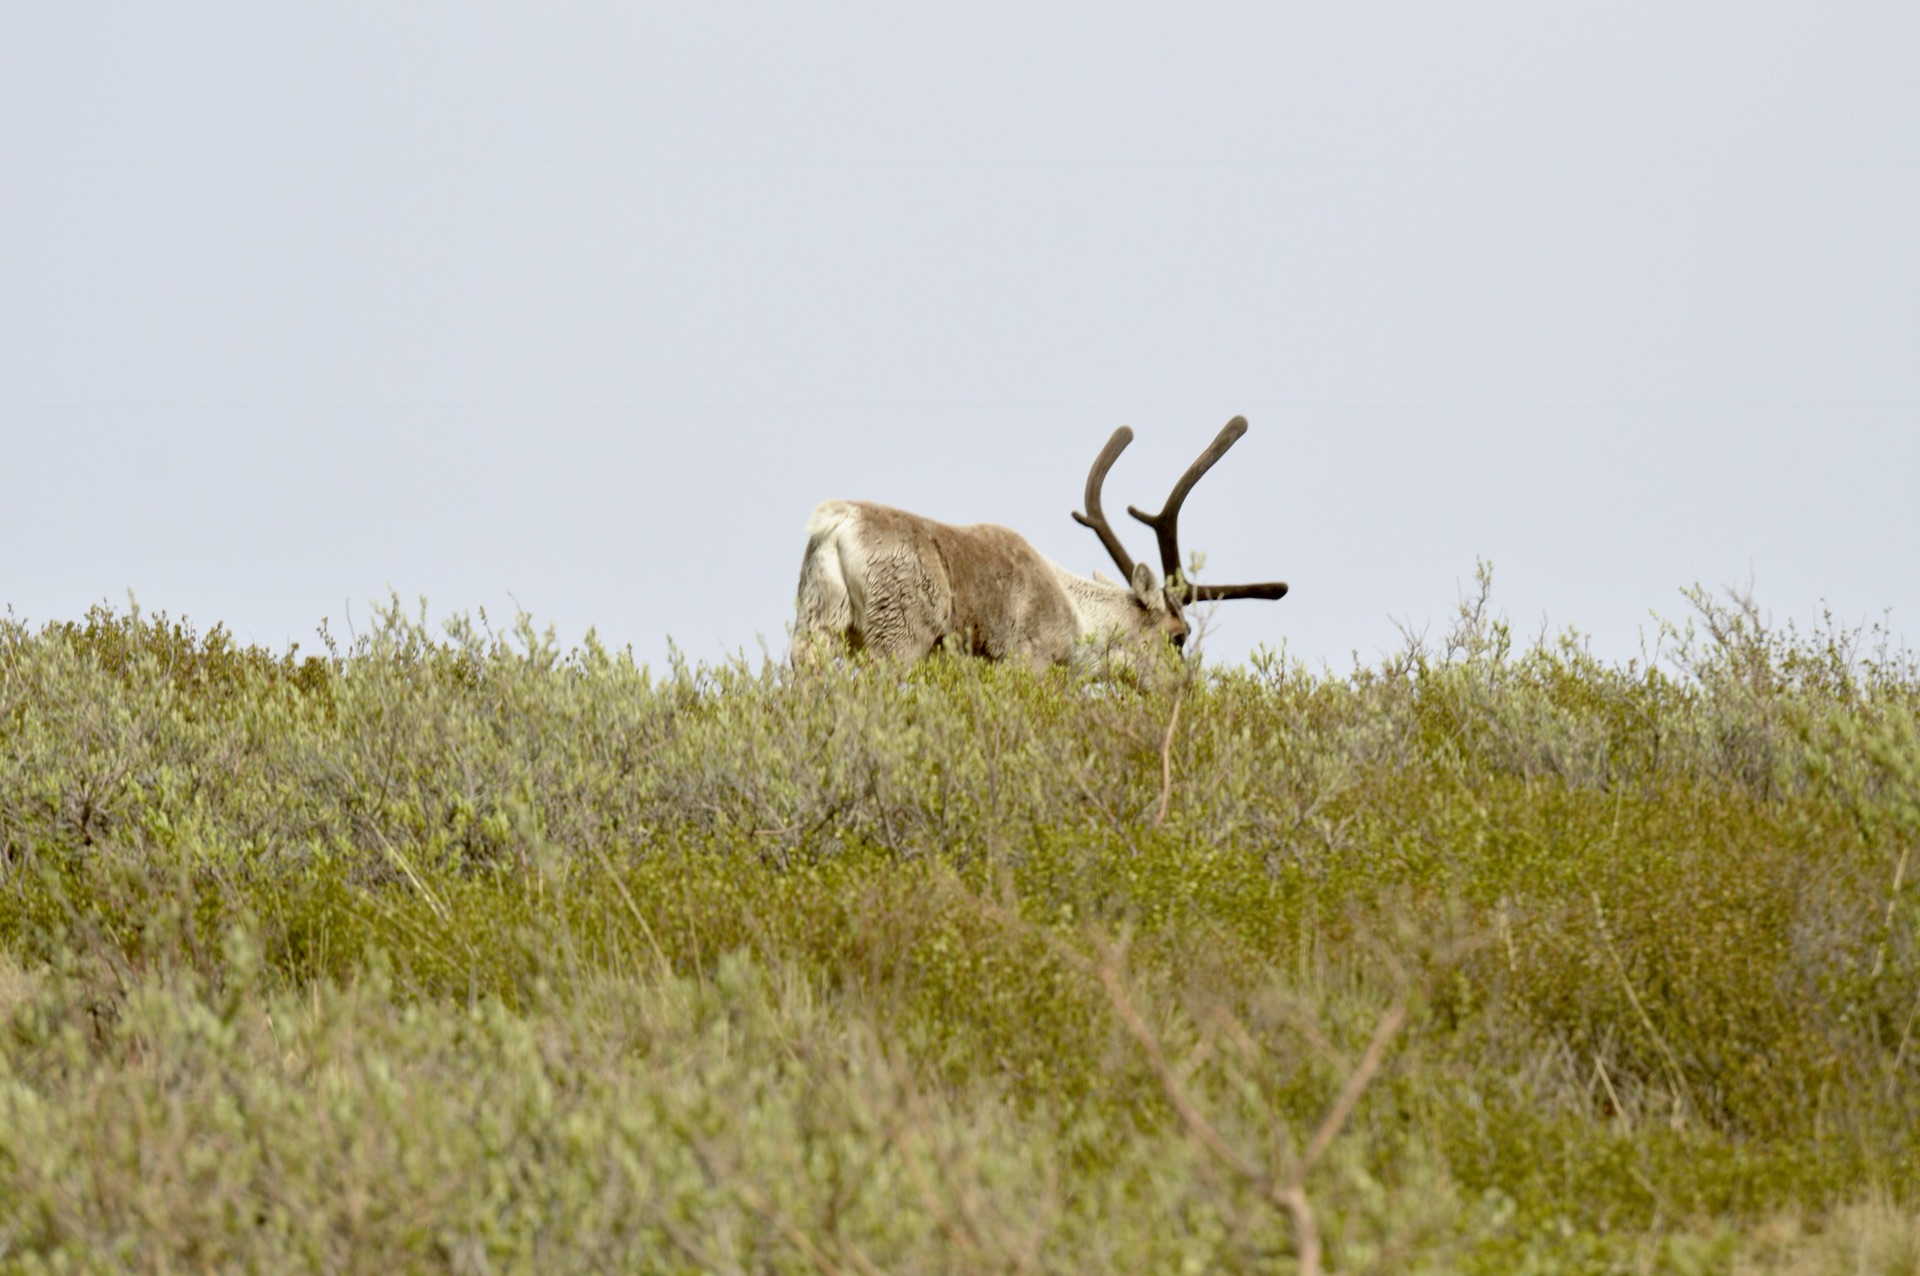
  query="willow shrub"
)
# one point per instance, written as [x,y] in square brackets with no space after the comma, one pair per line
[456,949]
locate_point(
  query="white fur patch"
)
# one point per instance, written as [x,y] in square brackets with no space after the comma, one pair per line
[825,602]
[827,516]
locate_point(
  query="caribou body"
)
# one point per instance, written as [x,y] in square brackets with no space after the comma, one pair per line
[896,584]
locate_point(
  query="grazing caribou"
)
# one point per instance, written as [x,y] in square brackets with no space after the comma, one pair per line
[895,584]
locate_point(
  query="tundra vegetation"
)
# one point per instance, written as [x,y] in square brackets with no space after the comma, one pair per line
[446,949]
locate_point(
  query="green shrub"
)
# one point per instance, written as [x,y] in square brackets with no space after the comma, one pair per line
[460,951]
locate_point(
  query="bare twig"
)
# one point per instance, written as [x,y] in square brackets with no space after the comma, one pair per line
[633,909]
[1390,1024]
[1198,1126]
[1606,1083]
[1893,901]
[1681,1092]
[1166,763]
[1906,1039]
[961,1233]
[760,1203]
[688,1245]
[1086,790]
[1286,1192]
[757,1201]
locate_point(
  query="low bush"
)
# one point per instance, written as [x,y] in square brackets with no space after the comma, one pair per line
[459,951]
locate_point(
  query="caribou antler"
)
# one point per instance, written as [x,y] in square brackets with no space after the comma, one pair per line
[1095,517]
[1166,524]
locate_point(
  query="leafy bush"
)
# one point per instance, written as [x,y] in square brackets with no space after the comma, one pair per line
[460,951]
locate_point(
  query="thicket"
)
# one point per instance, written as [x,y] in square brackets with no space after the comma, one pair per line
[455,951]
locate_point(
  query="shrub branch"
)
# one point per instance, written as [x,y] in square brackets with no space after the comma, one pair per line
[1286,1189]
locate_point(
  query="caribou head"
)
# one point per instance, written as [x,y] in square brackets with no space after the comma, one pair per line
[1165,600]
[897,584]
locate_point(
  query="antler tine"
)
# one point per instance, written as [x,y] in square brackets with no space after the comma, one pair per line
[1166,524]
[1221,593]
[1095,517]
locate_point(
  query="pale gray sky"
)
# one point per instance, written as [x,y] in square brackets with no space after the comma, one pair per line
[588,304]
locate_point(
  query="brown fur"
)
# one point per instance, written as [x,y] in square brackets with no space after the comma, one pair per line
[911,584]
[897,584]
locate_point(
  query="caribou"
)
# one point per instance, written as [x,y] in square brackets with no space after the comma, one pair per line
[899,585]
